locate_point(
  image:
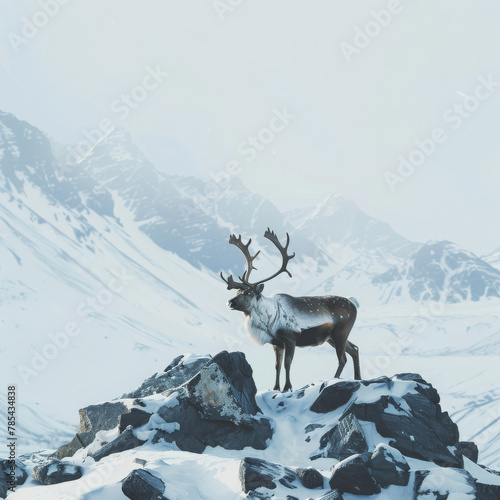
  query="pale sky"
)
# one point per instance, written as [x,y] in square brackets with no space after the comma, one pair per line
[300,99]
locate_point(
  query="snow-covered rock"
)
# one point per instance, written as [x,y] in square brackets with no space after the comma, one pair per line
[214,433]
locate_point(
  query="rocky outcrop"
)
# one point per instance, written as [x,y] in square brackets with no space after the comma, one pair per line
[343,440]
[212,405]
[178,372]
[54,471]
[353,476]
[256,473]
[388,466]
[443,482]
[125,441]
[142,484]
[363,437]
[93,418]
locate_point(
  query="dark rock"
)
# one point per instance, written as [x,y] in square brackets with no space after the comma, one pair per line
[4,484]
[178,372]
[135,417]
[331,495]
[54,471]
[232,370]
[259,495]
[388,466]
[140,461]
[93,419]
[383,380]
[334,396]
[487,491]
[423,387]
[15,470]
[141,484]
[416,424]
[310,477]
[69,449]
[352,476]
[216,408]
[439,483]
[411,377]
[467,449]
[196,432]
[343,440]
[125,441]
[255,473]
[310,427]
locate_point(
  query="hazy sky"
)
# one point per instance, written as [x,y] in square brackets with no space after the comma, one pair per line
[300,99]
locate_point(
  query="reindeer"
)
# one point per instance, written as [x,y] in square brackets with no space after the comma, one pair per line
[286,321]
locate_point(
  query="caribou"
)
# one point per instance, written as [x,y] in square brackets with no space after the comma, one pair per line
[285,321]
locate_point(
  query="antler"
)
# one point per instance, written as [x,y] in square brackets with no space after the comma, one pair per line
[231,284]
[246,252]
[271,236]
[244,284]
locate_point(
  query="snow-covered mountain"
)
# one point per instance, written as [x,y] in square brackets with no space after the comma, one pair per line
[192,218]
[493,258]
[109,267]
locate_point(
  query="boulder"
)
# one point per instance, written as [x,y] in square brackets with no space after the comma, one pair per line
[255,473]
[4,484]
[353,476]
[487,491]
[216,408]
[439,483]
[310,477]
[125,441]
[54,471]
[142,484]
[135,417]
[415,423]
[331,495]
[334,396]
[467,449]
[15,469]
[259,495]
[343,440]
[383,380]
[178,372]
[389,466]
[225,387]
[94,418]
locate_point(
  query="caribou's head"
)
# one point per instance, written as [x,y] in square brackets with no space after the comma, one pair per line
[249,294]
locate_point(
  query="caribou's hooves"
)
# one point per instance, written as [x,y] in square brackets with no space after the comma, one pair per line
[276,388]
[287,388]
